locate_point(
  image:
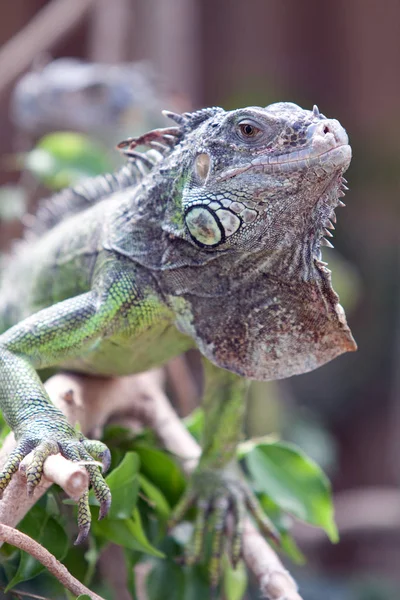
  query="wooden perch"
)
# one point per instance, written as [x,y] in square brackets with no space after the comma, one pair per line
[24,542]
[92,401]
[72,477]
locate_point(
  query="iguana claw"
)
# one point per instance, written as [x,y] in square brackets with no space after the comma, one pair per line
[46,439]
[218,496]
[84,518]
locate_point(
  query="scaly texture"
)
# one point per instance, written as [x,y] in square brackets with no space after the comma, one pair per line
[210,239]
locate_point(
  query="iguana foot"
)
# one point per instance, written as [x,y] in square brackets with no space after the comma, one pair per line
[219,497]
[52,436]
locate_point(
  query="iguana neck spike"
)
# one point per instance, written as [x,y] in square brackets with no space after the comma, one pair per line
[168,136]
[190,120]
[180,119]
[316,112]
[199,116]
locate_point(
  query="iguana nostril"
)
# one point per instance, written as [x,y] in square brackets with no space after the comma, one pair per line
[326,129]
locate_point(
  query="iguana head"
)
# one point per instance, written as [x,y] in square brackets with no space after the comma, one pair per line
[265,178]
[260,187]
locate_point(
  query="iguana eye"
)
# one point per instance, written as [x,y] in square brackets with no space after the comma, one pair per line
[248,130]
[202,165]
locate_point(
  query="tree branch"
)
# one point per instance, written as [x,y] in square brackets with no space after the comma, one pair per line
[23,542]
[72,477]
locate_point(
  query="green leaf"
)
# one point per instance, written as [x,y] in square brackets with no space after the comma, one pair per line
[128,533]
[121,440]
[234,582]
[124,486]
[52,507]
[116,435]
[155,497]
[283,523]
[291,549]
[294,482]
[83,597]
[195,423]
[166,579]
[63,158]
[162,471]
[197,584]
[91,559]
[138,531]
[47,532]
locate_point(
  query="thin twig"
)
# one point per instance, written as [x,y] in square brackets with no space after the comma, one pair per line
[23,542]
[18,593]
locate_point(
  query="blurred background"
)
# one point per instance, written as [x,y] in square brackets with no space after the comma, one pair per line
[106,68]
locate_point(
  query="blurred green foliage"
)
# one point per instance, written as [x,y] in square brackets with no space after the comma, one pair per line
[63,158]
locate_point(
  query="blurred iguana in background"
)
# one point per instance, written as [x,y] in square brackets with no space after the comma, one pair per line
[99,99]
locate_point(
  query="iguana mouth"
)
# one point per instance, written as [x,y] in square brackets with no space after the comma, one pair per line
[338,157]
[300,159]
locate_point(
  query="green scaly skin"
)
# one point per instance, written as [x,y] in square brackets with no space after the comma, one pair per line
[211,239]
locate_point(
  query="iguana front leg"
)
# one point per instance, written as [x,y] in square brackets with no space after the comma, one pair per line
[217,487]
[49,337]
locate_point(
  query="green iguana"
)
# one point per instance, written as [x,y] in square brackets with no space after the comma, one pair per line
[209,239]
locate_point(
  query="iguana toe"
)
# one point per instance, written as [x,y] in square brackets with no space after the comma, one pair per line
[195,549]
[100,488]
[221,510]
[43,440]
[84,518]
[34,471]
[90,451]
[263,522]
[12,464]
[98,451]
